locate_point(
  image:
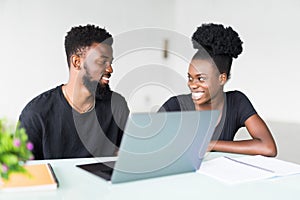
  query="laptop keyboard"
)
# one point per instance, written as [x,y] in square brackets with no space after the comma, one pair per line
[103,170]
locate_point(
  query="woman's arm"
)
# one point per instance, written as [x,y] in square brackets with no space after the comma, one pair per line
[262,142]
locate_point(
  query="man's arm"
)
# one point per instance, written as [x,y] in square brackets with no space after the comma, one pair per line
[34,127]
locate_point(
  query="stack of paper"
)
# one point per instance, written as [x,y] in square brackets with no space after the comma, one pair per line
[247,168]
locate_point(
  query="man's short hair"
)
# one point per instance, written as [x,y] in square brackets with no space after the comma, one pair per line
[80,37]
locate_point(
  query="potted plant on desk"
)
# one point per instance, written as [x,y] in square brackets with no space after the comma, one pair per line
[15,150]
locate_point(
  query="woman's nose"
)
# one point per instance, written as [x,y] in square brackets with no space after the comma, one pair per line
[193,85]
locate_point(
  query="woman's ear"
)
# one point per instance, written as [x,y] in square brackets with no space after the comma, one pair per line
[75,62]
[223,78]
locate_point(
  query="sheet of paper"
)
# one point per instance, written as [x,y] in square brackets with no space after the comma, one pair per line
[232,172]
[280,167]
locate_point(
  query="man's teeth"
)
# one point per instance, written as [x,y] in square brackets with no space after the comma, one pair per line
[197,95]
[105,78]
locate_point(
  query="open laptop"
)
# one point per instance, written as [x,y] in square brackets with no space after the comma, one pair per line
[159,144]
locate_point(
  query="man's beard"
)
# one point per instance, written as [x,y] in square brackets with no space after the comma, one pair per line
[90,85]
[103,90]
[95,88]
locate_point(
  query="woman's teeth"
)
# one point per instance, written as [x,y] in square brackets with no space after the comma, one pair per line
[197,95]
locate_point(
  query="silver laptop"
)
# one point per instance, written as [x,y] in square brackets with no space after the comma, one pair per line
[159,144]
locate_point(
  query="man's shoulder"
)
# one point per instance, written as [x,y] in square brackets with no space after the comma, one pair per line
[117,95]
[118,101]
[42,100]
[116,98]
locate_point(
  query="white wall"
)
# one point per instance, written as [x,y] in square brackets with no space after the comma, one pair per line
[286,135]
[33,59]
[268,69]
[32,36]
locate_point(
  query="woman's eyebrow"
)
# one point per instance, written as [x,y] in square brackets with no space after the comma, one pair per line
[201,74]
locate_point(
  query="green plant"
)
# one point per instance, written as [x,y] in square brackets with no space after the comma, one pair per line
[15,149]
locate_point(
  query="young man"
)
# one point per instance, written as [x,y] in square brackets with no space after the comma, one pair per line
[83,117]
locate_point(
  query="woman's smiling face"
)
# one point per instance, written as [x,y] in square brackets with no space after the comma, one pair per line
[204,81]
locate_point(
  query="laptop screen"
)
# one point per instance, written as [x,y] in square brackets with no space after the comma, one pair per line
[158,144]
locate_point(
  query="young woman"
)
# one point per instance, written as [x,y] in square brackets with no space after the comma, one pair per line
[208,72]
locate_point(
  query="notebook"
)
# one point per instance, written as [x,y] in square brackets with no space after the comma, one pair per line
[159,144]
[39,177]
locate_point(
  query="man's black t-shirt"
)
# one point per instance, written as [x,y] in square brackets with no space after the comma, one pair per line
[237,110]
[58,131]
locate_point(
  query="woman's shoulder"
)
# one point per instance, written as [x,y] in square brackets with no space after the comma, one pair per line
[236,94]
[182,96]
[179,103]
[238,100]
[179,99]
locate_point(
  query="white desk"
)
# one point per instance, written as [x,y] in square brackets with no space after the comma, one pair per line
[76,183]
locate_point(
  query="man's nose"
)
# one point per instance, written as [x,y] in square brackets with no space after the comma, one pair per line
[109,69]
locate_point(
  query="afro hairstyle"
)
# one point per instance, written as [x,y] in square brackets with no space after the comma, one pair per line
[214,41]
[217,40]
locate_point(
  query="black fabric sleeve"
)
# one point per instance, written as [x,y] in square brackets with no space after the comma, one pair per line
[171,104]
[34,127]
[120,113]
[245,109]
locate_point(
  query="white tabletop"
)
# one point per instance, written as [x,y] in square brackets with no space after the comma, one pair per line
[76,183]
